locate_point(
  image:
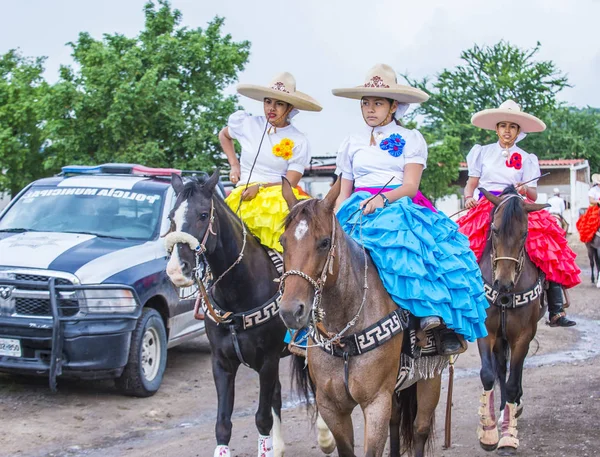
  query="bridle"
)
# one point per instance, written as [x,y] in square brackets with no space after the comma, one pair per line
[520,260]
[201,271]
[317,313]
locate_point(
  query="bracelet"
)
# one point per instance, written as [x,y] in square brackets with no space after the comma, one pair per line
[386,201]
[467,197]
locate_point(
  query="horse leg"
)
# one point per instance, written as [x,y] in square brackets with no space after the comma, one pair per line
[377,419]
[278,441]
[509,442]
[501,358]
[395,428]
[592,254]
[268,378]
[325,437]
[340,423]
[428,396]
[487,430]
[224,372]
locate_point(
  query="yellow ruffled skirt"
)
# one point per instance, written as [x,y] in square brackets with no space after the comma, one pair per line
[264,215]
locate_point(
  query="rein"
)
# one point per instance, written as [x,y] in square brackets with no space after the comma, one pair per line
[318,313]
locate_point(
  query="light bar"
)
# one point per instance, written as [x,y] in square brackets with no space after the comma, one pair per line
[119,169]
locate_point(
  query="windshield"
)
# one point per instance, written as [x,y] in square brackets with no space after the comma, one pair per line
[113,213]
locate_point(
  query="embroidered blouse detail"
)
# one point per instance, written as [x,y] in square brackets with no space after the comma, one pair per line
[515,161]
[376,81]
[283,149]
[394,144]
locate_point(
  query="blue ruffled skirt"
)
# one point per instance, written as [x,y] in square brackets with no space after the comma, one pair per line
[425,263]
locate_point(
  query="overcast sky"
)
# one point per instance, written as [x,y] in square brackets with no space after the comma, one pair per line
[332,43]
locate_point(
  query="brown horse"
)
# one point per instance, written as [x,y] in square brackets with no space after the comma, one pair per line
[332,285]
[514,287]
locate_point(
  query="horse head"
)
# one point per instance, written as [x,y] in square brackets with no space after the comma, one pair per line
[192,224]
[508,234]
[308,253]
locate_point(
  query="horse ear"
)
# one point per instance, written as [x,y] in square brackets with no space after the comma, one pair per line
[211,182]
[333,194]
[288,193]
[491,197]
[177,183]
[531,207]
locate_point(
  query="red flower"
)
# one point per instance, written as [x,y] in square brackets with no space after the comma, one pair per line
[515,161]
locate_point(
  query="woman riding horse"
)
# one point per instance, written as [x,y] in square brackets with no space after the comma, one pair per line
[589,223]
[425,263]
[498,165]
[272,148]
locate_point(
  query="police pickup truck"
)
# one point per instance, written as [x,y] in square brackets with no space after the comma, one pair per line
[83,288]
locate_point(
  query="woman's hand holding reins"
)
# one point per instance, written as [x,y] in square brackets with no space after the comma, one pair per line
[470,202]
[251,192]
[371,204]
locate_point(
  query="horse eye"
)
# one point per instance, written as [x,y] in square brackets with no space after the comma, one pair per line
[325,243]
[203,216]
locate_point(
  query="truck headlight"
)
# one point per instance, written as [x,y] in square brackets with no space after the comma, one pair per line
[110,301]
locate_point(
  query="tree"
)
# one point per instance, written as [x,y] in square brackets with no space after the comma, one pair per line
[155,99]
[22,126]
[572,133]
[442,168]
[488,76]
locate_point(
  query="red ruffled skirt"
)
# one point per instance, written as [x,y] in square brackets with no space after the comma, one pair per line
[546,242]
[588,224]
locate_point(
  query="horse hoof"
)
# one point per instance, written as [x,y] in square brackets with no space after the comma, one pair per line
[328,450]
[507,450]
[222,451]
[488,447]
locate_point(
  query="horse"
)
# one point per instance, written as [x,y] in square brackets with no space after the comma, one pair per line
[514,287]
[241,304]
[331,284]
[593,249]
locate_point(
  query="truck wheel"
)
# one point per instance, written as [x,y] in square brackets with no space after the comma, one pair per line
[145,367]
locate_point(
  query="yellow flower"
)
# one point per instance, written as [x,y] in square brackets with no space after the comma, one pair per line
[284,149]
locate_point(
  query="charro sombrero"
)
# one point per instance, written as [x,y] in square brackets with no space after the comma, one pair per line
[509,111]
[282,87]
[381,81]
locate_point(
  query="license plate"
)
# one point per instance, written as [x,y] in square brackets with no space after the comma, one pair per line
[10,347]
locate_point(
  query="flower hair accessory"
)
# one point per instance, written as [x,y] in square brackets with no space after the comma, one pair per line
[284,149]
[394,145]
[515,161]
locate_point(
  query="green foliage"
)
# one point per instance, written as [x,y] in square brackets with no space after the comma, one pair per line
[488,76]
[155,99]
[22,127]
[572,133]
[442,168]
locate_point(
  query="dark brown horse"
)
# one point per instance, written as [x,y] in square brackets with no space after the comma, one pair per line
[353,354]
[515,289]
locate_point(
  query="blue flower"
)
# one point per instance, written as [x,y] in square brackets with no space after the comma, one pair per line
[394,144]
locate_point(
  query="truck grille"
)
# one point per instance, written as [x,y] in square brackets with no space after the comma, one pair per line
[33,300]
[41,307]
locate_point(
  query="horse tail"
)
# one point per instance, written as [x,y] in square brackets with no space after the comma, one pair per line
[407,414]
[301,382]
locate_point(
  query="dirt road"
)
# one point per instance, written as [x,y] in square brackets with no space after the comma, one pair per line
[561,417]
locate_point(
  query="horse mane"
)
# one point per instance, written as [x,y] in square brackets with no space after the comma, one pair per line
[513,211]
[192,185]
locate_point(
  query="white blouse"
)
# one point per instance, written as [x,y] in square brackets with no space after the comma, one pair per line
[269,168]
[594,193]
[495,171]
[372,166]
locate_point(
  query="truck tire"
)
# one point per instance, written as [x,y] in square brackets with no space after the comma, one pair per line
[147,361]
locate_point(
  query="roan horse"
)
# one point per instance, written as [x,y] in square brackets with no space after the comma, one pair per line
[330,282]
[515,289]
[244,326]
